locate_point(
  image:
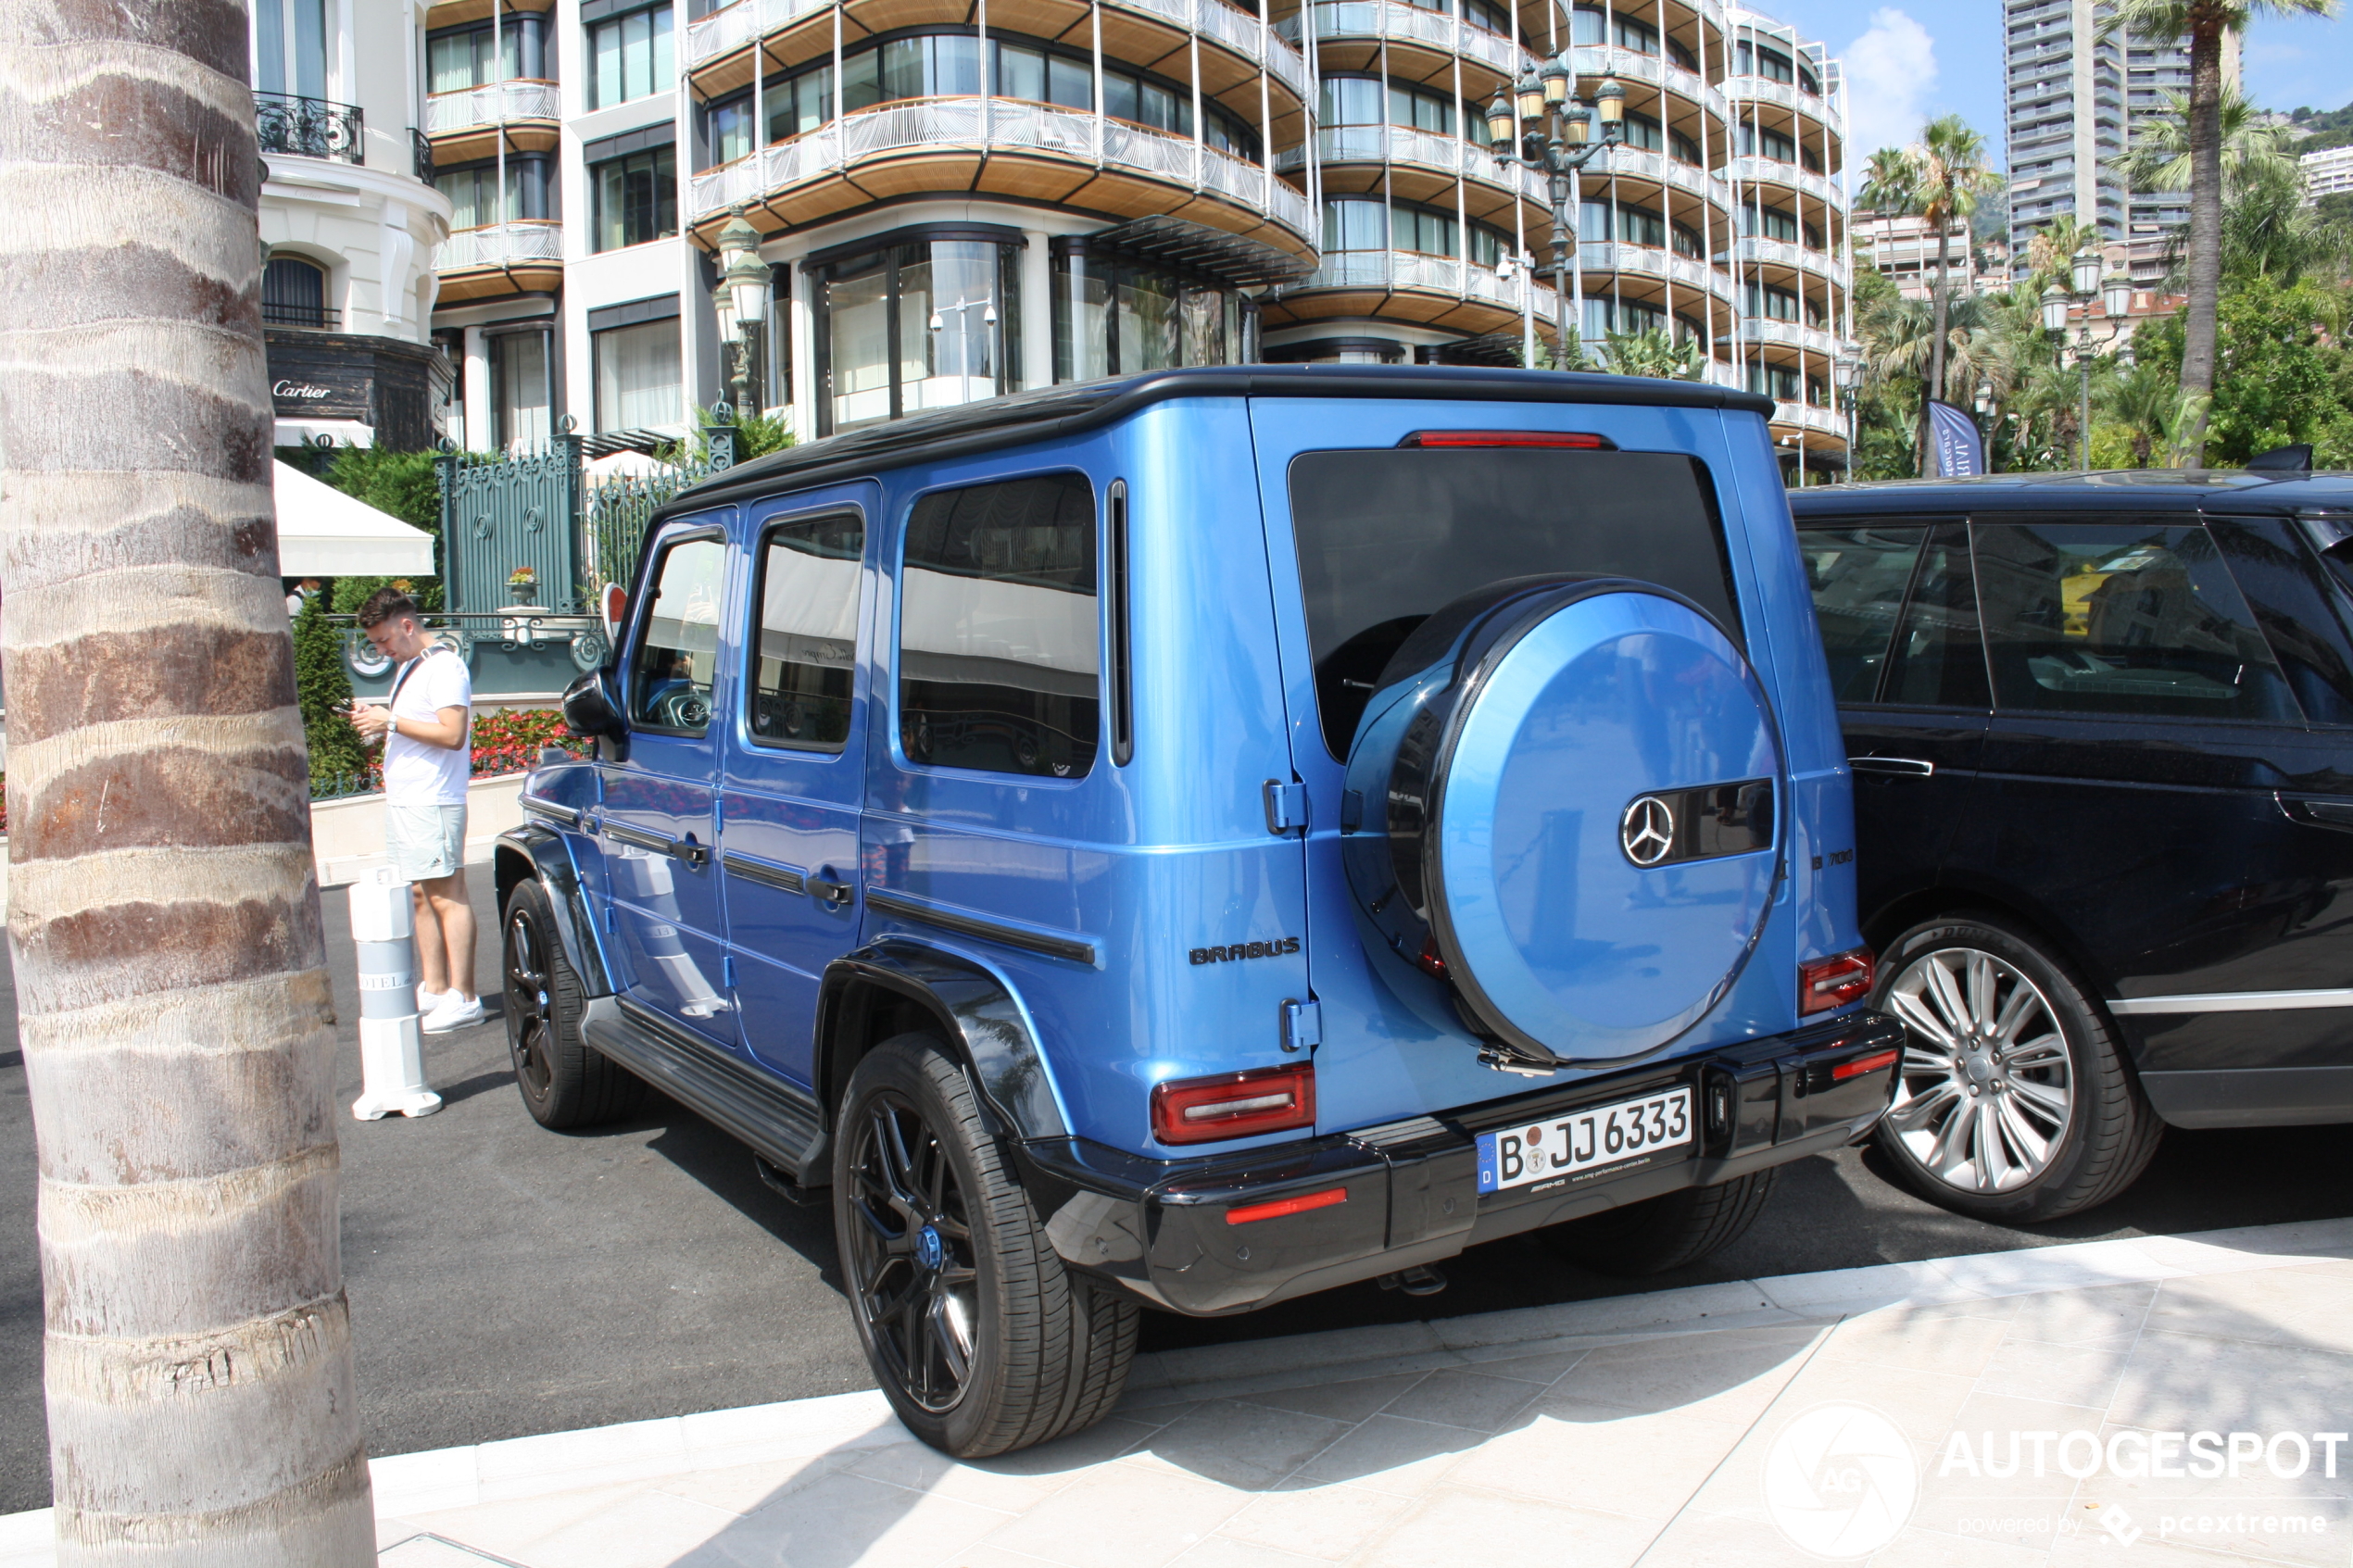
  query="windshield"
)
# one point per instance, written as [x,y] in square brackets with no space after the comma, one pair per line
[1386,538]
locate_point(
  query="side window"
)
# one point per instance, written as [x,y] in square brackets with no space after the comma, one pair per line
[2291,600]
[1858,576]
[670,677]
[2120,618]
[1939,661]
[806,654]
[997,630]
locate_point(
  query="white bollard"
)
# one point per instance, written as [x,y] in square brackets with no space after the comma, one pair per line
[392,1054]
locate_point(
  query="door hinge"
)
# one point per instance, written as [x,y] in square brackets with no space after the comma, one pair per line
[1303,1024]
[1286,807]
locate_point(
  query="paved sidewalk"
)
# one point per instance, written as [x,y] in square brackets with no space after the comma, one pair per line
[1998,1409]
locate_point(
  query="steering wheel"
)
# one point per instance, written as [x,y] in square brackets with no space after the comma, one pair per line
[681,705]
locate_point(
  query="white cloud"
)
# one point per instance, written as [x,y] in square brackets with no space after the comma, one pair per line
[1891,71]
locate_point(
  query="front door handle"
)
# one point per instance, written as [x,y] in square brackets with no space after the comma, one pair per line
[687,849]
[1904,767]
[831,889]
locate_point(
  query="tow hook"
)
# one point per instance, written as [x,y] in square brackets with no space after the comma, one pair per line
[1419,1280]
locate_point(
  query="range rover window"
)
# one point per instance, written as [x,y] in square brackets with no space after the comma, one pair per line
[806,653]
[1939,661]
[1386,538]
[998,631]
[670,679]
[2120,618]
[1859,577]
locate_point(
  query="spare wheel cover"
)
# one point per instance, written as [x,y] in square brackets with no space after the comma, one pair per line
[1568,736]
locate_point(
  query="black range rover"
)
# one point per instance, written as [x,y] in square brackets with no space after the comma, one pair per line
[2101,733]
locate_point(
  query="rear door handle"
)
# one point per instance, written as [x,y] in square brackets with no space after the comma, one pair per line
[1905,767]
[831,889]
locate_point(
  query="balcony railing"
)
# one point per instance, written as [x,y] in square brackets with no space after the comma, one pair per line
[310,126]
[1781,253]
[1797,177]
[495,244]
[319,318]
[1627,65]
[1642,164]
[731,27]
[1804,415]
[1007,124]
[1392,19]
[420,149]
[1647,262]
[470,107]
[1427,274]
[1422,149]
[1789,335]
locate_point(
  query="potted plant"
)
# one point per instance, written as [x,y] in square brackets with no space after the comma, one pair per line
[523,585]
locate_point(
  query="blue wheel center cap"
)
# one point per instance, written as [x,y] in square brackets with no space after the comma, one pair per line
[930,1251]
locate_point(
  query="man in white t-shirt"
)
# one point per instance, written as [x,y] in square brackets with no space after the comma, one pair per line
[426,730]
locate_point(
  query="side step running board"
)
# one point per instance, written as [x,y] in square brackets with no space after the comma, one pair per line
[782,1124]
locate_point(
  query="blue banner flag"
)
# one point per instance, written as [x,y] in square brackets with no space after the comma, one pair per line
[1960,450]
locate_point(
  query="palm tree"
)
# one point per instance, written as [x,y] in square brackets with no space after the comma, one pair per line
[171,989]
[1653,353]
[2160,157]
[2146,401]
[1941,182]
[2205,23]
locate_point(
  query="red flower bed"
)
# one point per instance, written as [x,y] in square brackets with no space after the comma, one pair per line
[511,742]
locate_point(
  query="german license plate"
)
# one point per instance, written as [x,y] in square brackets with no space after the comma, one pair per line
[1581,1140]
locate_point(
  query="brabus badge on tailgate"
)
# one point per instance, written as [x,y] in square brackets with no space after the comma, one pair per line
[1274,947]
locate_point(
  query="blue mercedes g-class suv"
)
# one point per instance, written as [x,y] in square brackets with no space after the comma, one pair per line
[1193,840]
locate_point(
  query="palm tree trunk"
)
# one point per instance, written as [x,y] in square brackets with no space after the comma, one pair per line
[1936,344]
[164,920]
[2206,227]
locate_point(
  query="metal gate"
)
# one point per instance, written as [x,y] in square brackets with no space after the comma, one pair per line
[505,511]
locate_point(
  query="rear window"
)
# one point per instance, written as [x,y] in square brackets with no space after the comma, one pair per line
[1386,538]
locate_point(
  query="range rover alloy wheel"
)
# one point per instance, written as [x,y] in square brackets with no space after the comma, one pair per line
[565,1081]
[979,1337]
[2014,1102]
[1983,1098]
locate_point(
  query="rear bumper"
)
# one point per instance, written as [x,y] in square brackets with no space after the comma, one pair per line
[1167,1231]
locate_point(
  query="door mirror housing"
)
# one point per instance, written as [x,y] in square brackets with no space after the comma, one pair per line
[592,709]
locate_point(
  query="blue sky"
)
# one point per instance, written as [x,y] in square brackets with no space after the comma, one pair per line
[1909,60]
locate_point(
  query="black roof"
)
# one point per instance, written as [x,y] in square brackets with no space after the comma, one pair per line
[1063,410]
[2101,490]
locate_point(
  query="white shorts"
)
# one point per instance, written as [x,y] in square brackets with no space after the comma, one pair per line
[426,843]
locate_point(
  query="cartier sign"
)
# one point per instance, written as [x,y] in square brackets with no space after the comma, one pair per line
[299,390]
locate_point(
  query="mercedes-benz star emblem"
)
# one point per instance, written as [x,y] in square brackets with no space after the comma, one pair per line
[1647,831]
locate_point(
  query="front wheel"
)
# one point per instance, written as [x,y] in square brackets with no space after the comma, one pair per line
[1667,1232]
[980,1338]
[2014,1103]
[566,1083]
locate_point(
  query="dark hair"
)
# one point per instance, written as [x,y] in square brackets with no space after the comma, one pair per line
[386,604]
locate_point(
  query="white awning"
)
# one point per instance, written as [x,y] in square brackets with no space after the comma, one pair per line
[323,533]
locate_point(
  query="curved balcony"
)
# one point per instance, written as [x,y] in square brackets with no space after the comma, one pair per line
[1611,59]
[733,26]
[1421,165]
[1789,176]
[466,123]
[522,257]
[1405,285]
[1783,95]
[1605,256]
[1008,147]
[1781,253]
[1635,163]
[1394,22]
[1805,417]
[1811,340]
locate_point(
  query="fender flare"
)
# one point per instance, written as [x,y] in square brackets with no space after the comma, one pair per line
[977,1014]
[541,854]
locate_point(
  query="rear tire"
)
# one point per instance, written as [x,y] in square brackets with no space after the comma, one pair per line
[1667,1232]
[981,1339]
[2065,1124]
[566,1083]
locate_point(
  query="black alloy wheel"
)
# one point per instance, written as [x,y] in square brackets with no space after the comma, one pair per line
[913,1272]
[565,1081]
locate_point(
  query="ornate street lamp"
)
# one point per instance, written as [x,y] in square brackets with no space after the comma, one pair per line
[1518,133]
[740,301]
[1848,370]
[2116,299]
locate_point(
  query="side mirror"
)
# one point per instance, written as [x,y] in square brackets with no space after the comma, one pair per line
[591,709]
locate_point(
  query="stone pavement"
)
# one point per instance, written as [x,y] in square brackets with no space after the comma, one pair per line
[2161,1400]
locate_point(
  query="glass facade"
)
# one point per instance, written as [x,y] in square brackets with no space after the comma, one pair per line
[636,198]
[290,46]
[630,57]
[521,393]
[1363,224]
[1115,316]
[455,61]
[915,323]
[639,385]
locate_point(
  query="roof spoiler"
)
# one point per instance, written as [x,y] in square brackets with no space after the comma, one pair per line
[2282,459]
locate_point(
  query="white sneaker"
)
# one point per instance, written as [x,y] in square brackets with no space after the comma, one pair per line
[429,1000]
[455,1012]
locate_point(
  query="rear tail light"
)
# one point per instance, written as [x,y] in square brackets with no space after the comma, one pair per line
[1824,983]
[1235,1105]
[1432,962]
[1861,1065]
[1571,440]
